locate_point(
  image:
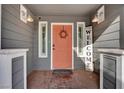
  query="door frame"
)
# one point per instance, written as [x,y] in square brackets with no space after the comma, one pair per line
[58,23]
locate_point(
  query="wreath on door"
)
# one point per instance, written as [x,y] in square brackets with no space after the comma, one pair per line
[63,33]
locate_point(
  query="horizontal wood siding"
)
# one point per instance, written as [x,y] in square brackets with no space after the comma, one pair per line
[15,33]
[18,73]
[107,33]
[109,72]
[108,39]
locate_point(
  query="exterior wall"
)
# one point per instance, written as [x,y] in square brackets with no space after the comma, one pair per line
[45,63]
[122,29]
[0,26]
[107,33]
[15,33]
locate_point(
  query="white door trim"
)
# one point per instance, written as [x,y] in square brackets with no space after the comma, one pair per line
[52,43]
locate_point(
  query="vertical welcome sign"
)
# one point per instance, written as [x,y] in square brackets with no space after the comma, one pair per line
[88,49]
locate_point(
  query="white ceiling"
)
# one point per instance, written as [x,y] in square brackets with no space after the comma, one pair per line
[62,9]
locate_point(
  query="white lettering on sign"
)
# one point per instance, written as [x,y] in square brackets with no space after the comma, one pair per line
[88,49]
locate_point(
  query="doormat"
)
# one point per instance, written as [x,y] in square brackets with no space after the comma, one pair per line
[62,73]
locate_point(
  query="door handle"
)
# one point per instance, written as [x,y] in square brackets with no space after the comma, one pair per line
[53,46]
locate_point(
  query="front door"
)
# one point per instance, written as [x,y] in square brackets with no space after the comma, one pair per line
[61,46]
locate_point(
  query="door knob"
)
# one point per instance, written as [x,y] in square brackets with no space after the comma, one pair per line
[53,45]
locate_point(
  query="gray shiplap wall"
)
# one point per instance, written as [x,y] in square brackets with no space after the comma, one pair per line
[107,33]
[45,63]
[109,72]
[0,26]
[17,73]
[15,33]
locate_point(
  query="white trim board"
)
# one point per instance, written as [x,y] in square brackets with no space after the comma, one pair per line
[52,42]
[6,56]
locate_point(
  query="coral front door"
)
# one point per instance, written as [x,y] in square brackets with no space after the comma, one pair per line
[62,46]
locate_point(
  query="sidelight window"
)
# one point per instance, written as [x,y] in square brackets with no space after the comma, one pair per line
[42,39]
[80,31]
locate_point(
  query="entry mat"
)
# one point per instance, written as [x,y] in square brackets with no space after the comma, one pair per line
[62,73]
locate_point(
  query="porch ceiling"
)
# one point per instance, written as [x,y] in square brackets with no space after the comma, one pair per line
[62,9]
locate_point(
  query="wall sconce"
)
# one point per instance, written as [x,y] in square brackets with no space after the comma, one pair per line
[29,19]
[95,19]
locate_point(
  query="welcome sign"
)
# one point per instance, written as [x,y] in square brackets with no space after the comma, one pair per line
[88,49]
